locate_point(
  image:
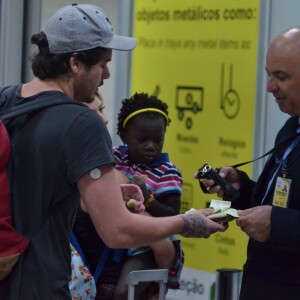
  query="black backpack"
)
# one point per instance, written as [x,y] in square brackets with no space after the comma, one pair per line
[12,243]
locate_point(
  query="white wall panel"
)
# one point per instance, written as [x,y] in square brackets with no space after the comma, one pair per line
[276,16]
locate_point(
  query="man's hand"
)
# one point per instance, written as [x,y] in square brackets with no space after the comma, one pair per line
[228,173]
[256,222]
[196,224]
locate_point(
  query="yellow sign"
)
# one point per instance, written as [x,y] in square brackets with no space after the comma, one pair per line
[200,57]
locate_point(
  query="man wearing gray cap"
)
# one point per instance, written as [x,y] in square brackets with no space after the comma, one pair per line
[64,152]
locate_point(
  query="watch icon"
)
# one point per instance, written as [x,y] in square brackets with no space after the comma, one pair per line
[230,100]
[231,104]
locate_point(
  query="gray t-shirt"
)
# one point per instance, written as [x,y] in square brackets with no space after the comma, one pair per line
[51,150]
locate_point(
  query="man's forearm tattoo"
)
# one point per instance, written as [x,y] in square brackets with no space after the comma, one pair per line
[194,226]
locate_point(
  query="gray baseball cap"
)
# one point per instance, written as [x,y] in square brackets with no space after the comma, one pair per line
[80,27]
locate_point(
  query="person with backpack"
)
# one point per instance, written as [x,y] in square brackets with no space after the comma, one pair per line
[83,281]
[95,267]
[64,152]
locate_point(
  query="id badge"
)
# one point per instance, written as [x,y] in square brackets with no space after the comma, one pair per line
[282,190]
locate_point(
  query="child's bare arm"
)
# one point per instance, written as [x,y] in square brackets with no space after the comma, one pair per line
[167,206]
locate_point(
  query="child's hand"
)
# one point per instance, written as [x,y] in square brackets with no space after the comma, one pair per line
[140,181]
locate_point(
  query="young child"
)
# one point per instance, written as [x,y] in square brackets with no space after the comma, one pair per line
[142,123]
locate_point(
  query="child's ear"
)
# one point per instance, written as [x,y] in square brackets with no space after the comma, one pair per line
[123,137]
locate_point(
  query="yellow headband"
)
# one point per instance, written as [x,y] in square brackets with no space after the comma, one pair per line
[145,110]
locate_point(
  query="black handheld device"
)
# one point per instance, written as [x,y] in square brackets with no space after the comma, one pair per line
[207,172]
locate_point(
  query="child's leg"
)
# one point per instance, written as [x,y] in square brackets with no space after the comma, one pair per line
[164,253]
[106,285]
[142,261]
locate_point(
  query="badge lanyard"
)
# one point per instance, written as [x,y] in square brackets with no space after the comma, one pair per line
[282,163]
[270,151]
